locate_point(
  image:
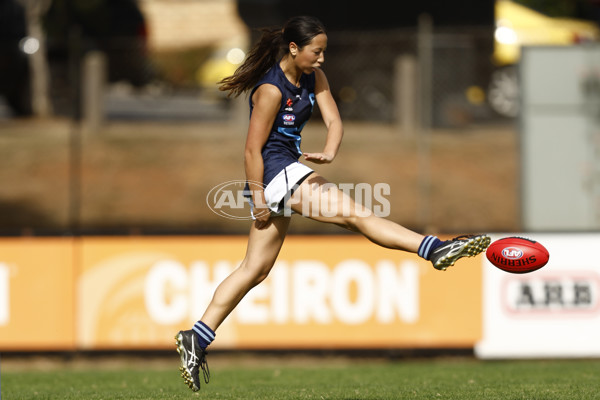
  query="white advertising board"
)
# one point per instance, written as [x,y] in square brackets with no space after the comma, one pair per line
[551,312]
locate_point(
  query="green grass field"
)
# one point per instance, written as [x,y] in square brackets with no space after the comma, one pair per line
[316,378]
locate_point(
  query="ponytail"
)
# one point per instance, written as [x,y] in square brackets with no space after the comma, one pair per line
[260,58]
[272,45]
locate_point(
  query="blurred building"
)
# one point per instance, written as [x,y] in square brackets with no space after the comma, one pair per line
[180,24]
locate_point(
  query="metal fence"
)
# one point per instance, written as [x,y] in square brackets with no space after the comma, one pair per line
[362,70]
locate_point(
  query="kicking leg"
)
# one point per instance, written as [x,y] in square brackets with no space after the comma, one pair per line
[318,199]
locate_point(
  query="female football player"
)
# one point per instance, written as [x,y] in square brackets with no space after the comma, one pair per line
[284,80]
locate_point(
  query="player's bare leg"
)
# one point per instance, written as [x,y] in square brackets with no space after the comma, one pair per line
[263,247]
[318,199]
[262,251]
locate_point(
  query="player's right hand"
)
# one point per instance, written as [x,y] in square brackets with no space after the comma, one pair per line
[261,212]
[262,217]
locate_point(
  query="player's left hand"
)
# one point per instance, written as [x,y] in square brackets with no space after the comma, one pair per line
[318,158]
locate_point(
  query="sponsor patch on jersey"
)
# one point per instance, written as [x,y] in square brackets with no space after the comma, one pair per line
[288,119]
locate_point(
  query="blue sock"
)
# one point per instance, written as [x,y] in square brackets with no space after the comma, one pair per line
[428,244]
[204,334]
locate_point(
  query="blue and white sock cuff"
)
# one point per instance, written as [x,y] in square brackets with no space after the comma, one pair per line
[425,246]
[204,332]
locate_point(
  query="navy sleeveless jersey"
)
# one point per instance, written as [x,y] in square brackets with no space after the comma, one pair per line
[283,144]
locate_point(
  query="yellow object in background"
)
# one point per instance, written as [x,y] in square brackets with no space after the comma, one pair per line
[517,26]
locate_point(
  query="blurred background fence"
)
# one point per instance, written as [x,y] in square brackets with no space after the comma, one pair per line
[110,120]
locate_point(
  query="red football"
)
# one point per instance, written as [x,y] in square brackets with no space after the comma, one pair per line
[517,255]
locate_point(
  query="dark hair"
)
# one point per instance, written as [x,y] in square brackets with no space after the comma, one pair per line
[273,43]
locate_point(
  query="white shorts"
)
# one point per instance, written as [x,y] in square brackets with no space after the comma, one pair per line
[284,184]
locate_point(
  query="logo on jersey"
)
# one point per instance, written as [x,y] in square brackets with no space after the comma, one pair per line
[288,105]
[288,119]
